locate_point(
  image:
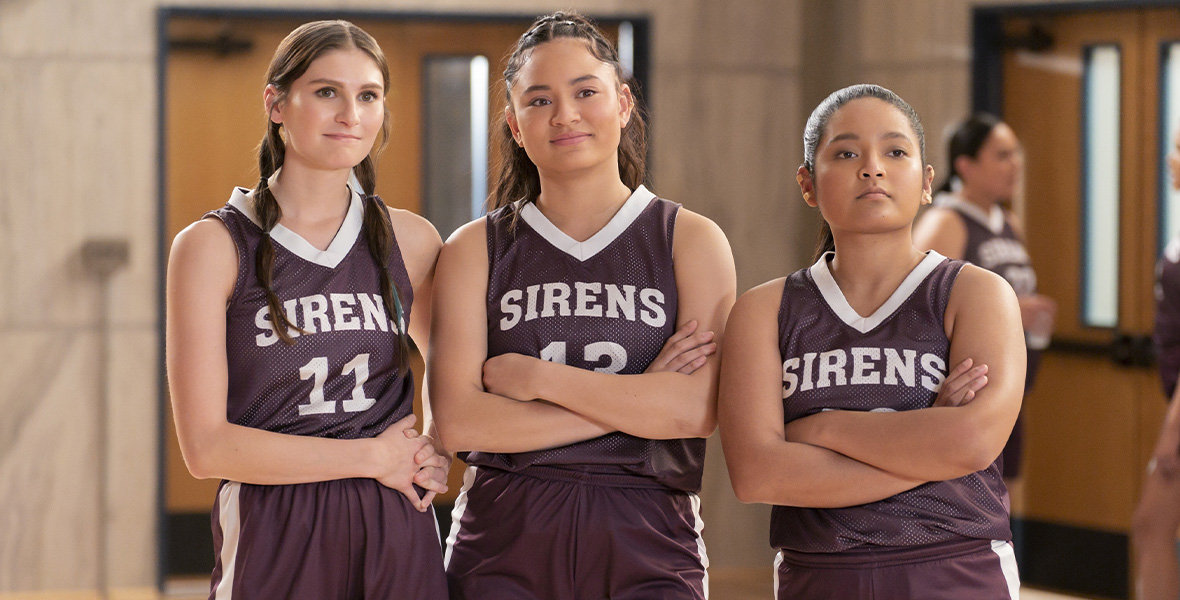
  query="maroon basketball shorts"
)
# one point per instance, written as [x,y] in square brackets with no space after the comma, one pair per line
[524,537]
[345,539]
[959,570]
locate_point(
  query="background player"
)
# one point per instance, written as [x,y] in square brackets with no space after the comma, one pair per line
[286,347]
[555,364]
[970,220]
[884,475]
[1157,518]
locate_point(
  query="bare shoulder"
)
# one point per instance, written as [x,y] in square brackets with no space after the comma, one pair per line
[415,232]
[979,292]
[759,302]
[203,259]
[696,228]
[207,241]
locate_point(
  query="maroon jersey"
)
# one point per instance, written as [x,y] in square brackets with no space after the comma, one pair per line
[340,379]
[607,304]
[893,360]
[1167,316]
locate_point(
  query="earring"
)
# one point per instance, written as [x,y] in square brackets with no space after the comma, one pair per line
[807,195]
[926,199]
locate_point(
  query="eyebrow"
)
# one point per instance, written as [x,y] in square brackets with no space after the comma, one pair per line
[855,137]
[372,85]
[545,88]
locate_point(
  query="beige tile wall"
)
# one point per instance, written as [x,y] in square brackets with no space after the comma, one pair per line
[78,161]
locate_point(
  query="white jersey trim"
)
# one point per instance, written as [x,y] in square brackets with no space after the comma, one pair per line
[992,219]
[834,296]
[583,251]
[699,527]
[457,513]
[344,240]
[1008,566]
[229,518]
[778,563]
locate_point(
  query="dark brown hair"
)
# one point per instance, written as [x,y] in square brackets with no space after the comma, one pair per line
[817,126]
[967,140]
[518,178]
[291,60]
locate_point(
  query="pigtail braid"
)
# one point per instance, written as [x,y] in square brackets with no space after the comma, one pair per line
[267,210]
[379,237]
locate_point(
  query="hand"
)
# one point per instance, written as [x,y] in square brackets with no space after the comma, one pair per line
[435,466]
[960,384]
[1038,313]
[684,352]
[508,375]
[397,446]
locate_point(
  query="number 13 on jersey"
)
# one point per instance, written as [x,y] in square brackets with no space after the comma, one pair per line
[592,353]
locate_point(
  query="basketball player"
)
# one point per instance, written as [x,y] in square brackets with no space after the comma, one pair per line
[287,351]
[970,221]
[836,403]
[1157,518]
[556,371]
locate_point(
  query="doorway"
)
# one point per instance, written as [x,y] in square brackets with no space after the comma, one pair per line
[212,65]
[1089,91]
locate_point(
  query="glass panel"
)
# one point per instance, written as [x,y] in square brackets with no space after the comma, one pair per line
[1169,198]
[455,140]
[627,46]
[1100,172]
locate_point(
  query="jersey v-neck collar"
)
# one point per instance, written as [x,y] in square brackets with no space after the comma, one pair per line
[993,219]
[834,296]
[344,240]
[586,250]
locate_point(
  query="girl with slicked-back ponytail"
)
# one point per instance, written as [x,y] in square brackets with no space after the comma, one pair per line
[574,365]
[289,325]
[867,396]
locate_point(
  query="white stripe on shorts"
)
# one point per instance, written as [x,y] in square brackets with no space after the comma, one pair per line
[230,520]
[695,500]
[1008,565]
[778,562]
[457,513]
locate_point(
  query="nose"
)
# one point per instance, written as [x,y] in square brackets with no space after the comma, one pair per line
[872,168]
[349,112]
[565,112]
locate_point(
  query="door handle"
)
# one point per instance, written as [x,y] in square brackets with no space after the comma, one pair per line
[1129,350]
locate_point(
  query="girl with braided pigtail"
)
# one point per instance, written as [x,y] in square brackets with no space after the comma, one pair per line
[574,344]
[288,326]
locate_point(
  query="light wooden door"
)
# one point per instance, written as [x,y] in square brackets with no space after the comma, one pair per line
[1094,412]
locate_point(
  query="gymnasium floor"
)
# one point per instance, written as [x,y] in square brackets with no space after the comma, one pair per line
[724,584]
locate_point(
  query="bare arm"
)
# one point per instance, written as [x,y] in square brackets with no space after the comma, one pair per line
[942,231]
[935,444]
[201,273]
[653,405]
[466,416]
[763,465]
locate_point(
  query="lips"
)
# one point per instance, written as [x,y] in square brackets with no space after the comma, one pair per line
[569,139]
[874,192]
[342,137]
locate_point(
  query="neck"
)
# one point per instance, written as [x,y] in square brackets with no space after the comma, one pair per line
[581,203]
[974,197]
[869,267]
[306,193]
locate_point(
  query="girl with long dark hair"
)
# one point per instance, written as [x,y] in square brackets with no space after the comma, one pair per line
[572,340]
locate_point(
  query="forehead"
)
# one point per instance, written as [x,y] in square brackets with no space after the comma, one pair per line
[559,60]
[869,118]
[346,65]
[1001,137]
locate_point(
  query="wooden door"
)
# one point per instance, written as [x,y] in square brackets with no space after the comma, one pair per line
[1094,412]
[214,119]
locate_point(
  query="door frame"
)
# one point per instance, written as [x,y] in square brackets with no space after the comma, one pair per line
[642,30]
[1052,555]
